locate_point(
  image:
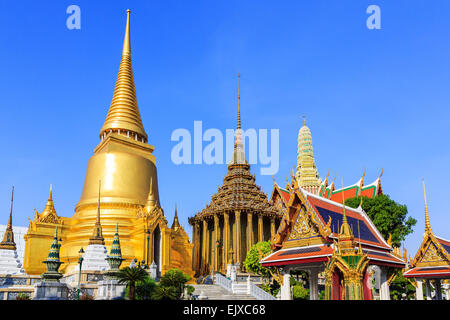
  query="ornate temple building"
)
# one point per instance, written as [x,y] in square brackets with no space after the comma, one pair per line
[124,163]
[431,262]
[238,216]
[307,177]
[319,235]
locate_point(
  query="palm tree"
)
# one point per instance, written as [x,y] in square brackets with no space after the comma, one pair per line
[130,276]
[165,293]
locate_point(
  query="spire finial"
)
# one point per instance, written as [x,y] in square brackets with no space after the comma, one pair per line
[97,235]
[238,152]
[50,195]
[239,102]
[175,223]
[126,41]
[8,237]
[304,120]
[11,210]
[427,217]
[98,205]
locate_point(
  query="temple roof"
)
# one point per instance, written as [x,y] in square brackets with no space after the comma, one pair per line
[124,113]
[329,192]
[312,225]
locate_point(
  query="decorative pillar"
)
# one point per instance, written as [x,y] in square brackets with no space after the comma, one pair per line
[249,230]
[447,291]
[194,252]
[226,238]
[285,289]
[237,217]
[313,284]
[428,289]
[216,247]
[384,286]
[203,264]
[272,228]
[419,290]
[260,228]
[207,246]
[437,287]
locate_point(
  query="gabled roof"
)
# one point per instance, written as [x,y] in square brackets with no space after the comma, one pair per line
[368,234]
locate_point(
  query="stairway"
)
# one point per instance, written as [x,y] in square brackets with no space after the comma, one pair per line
[216,292]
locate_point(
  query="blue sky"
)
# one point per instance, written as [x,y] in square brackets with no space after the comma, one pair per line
[373,98]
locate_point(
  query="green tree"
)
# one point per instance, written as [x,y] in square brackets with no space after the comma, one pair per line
[388,216]
[401,286]
[251,262]
[165,293]
[130,276]
[300,293]
[145,289]
[176,279]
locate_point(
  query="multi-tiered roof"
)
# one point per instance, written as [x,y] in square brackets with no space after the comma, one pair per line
[239,190]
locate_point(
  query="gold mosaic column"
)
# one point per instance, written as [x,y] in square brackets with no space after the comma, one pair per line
[216,238]
[226,238]
[237,216]
[260,228]
[249,231]
[207,246]
[196,236]
[203,264]
[272,228]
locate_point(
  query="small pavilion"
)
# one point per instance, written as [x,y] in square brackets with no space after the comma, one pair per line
[319,235]
[431,263]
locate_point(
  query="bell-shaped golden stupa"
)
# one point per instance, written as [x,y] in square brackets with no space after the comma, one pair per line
[124,164]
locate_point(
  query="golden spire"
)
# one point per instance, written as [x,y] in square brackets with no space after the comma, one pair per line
[124,113]
[176,223]
[97,235]
[346,237]
[152,201]
[427,217]
[49,206]
[8,237]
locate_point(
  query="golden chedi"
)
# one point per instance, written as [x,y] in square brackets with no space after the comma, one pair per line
[124,163]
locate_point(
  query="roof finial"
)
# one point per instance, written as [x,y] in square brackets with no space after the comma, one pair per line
[304,120]
[427,217]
